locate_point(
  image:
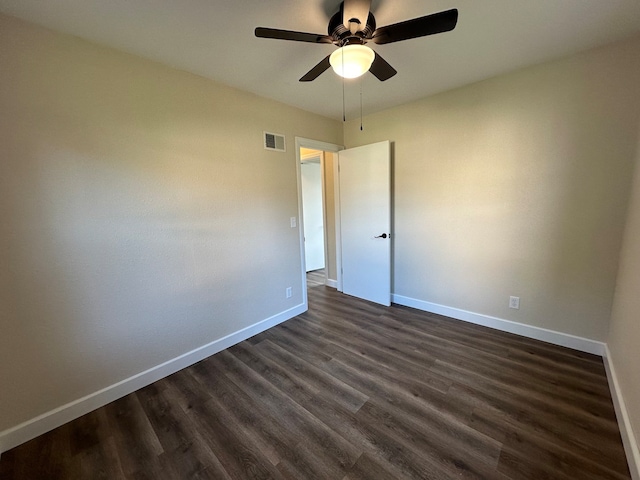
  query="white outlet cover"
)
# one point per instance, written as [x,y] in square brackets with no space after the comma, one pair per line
[514,302]
[294,222]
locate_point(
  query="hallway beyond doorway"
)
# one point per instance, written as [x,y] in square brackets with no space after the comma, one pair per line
[315,278]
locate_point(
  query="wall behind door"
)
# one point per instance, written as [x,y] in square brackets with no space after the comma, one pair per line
[330,215]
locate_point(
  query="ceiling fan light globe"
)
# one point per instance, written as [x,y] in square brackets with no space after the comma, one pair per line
[352,61]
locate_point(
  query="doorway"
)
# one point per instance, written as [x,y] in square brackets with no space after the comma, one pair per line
[315,162]
[365,236]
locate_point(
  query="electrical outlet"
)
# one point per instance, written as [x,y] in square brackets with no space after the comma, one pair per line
[514,302]
[294,222]
[288,292]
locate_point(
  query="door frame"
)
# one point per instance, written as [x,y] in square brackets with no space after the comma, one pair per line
[325,147]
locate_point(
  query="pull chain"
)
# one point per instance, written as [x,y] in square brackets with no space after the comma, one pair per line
[361,104]
[344,113]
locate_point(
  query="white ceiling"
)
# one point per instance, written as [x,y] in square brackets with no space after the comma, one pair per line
[214,38]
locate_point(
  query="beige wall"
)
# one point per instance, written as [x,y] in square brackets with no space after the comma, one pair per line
[140,216]
[516,186]
[330,210]
[624,334]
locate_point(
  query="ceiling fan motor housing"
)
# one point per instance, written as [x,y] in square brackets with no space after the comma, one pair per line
[342,36]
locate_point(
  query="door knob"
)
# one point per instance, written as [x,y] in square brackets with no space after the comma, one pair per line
[384,235]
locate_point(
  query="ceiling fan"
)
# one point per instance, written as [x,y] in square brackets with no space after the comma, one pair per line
[351,28]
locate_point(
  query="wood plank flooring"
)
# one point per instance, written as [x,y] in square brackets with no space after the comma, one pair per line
[316,278]
[351,390]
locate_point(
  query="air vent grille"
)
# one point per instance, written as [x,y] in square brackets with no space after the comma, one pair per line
[274,141]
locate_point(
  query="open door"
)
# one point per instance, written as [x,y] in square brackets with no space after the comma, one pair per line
[365,221]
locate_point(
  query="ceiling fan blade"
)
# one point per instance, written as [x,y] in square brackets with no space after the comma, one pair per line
[417,27]
[381,69]
[263,32]
[316,71]
[356,10]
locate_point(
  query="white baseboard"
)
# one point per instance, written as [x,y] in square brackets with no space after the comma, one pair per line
[24,432]
[537,333]
[332,283]
[626,432]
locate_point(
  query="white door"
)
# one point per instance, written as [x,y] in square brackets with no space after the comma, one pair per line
[365,221]
[312,216]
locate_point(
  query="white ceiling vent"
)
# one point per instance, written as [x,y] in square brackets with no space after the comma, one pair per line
[274,141]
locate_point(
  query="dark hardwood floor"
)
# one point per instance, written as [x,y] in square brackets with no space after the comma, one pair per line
[351,390]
